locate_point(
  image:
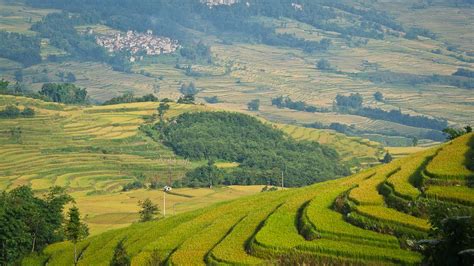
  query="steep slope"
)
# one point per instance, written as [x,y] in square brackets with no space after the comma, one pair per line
[346,221]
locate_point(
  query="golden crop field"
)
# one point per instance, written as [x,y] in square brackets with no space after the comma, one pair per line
[94,150]
[299,225]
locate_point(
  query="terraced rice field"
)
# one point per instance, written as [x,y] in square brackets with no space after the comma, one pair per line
[453,161]
[94,150]
[294,226]
[350,148]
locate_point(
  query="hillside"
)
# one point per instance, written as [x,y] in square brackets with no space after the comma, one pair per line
[93,151]
[272,51]
[363,219]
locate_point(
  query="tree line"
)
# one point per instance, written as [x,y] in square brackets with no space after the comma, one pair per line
[130,98]
[286,102]
[353,104]
[11,111]
[462,78]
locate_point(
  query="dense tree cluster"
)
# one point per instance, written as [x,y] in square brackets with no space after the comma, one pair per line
[352,102]
[204,176]
[453,133]
[20,48]
[378,96]
[29,223]
[464,73]
[286,102]
[130,98]
[262,152]
[413,33]
[323,64]
[64,93]
[253,105]
[195,52]
[11,111]
[60,29]
[405,119]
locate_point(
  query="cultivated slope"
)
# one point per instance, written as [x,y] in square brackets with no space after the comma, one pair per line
[93,151]
[324,223]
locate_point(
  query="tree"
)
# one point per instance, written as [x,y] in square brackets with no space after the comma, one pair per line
[64,93]
[16,134]
[19,75]
[468,129]
[415,141]
[4,86]
[162,108]
[70,77]
[75,230]
[120,258]
[254,105]
[28,112]
[387,158]
[323,64]
[378,96]
[351,102]
[29,223]
[188,90]
[148,210]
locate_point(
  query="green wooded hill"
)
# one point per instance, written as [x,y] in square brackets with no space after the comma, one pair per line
[365,219]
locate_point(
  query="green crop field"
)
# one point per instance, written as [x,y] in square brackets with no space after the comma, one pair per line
[285,227]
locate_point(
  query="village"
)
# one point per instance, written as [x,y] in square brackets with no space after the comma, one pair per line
[211,3]
[138,44]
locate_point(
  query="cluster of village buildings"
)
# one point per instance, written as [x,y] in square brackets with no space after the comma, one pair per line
[211,3]
[138,44]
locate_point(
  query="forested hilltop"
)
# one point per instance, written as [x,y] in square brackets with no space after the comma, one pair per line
[264,154]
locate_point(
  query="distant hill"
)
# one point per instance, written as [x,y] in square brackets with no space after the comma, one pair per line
[368,218]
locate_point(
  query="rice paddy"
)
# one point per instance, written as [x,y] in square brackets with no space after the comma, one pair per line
[293,226]
[94,150]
